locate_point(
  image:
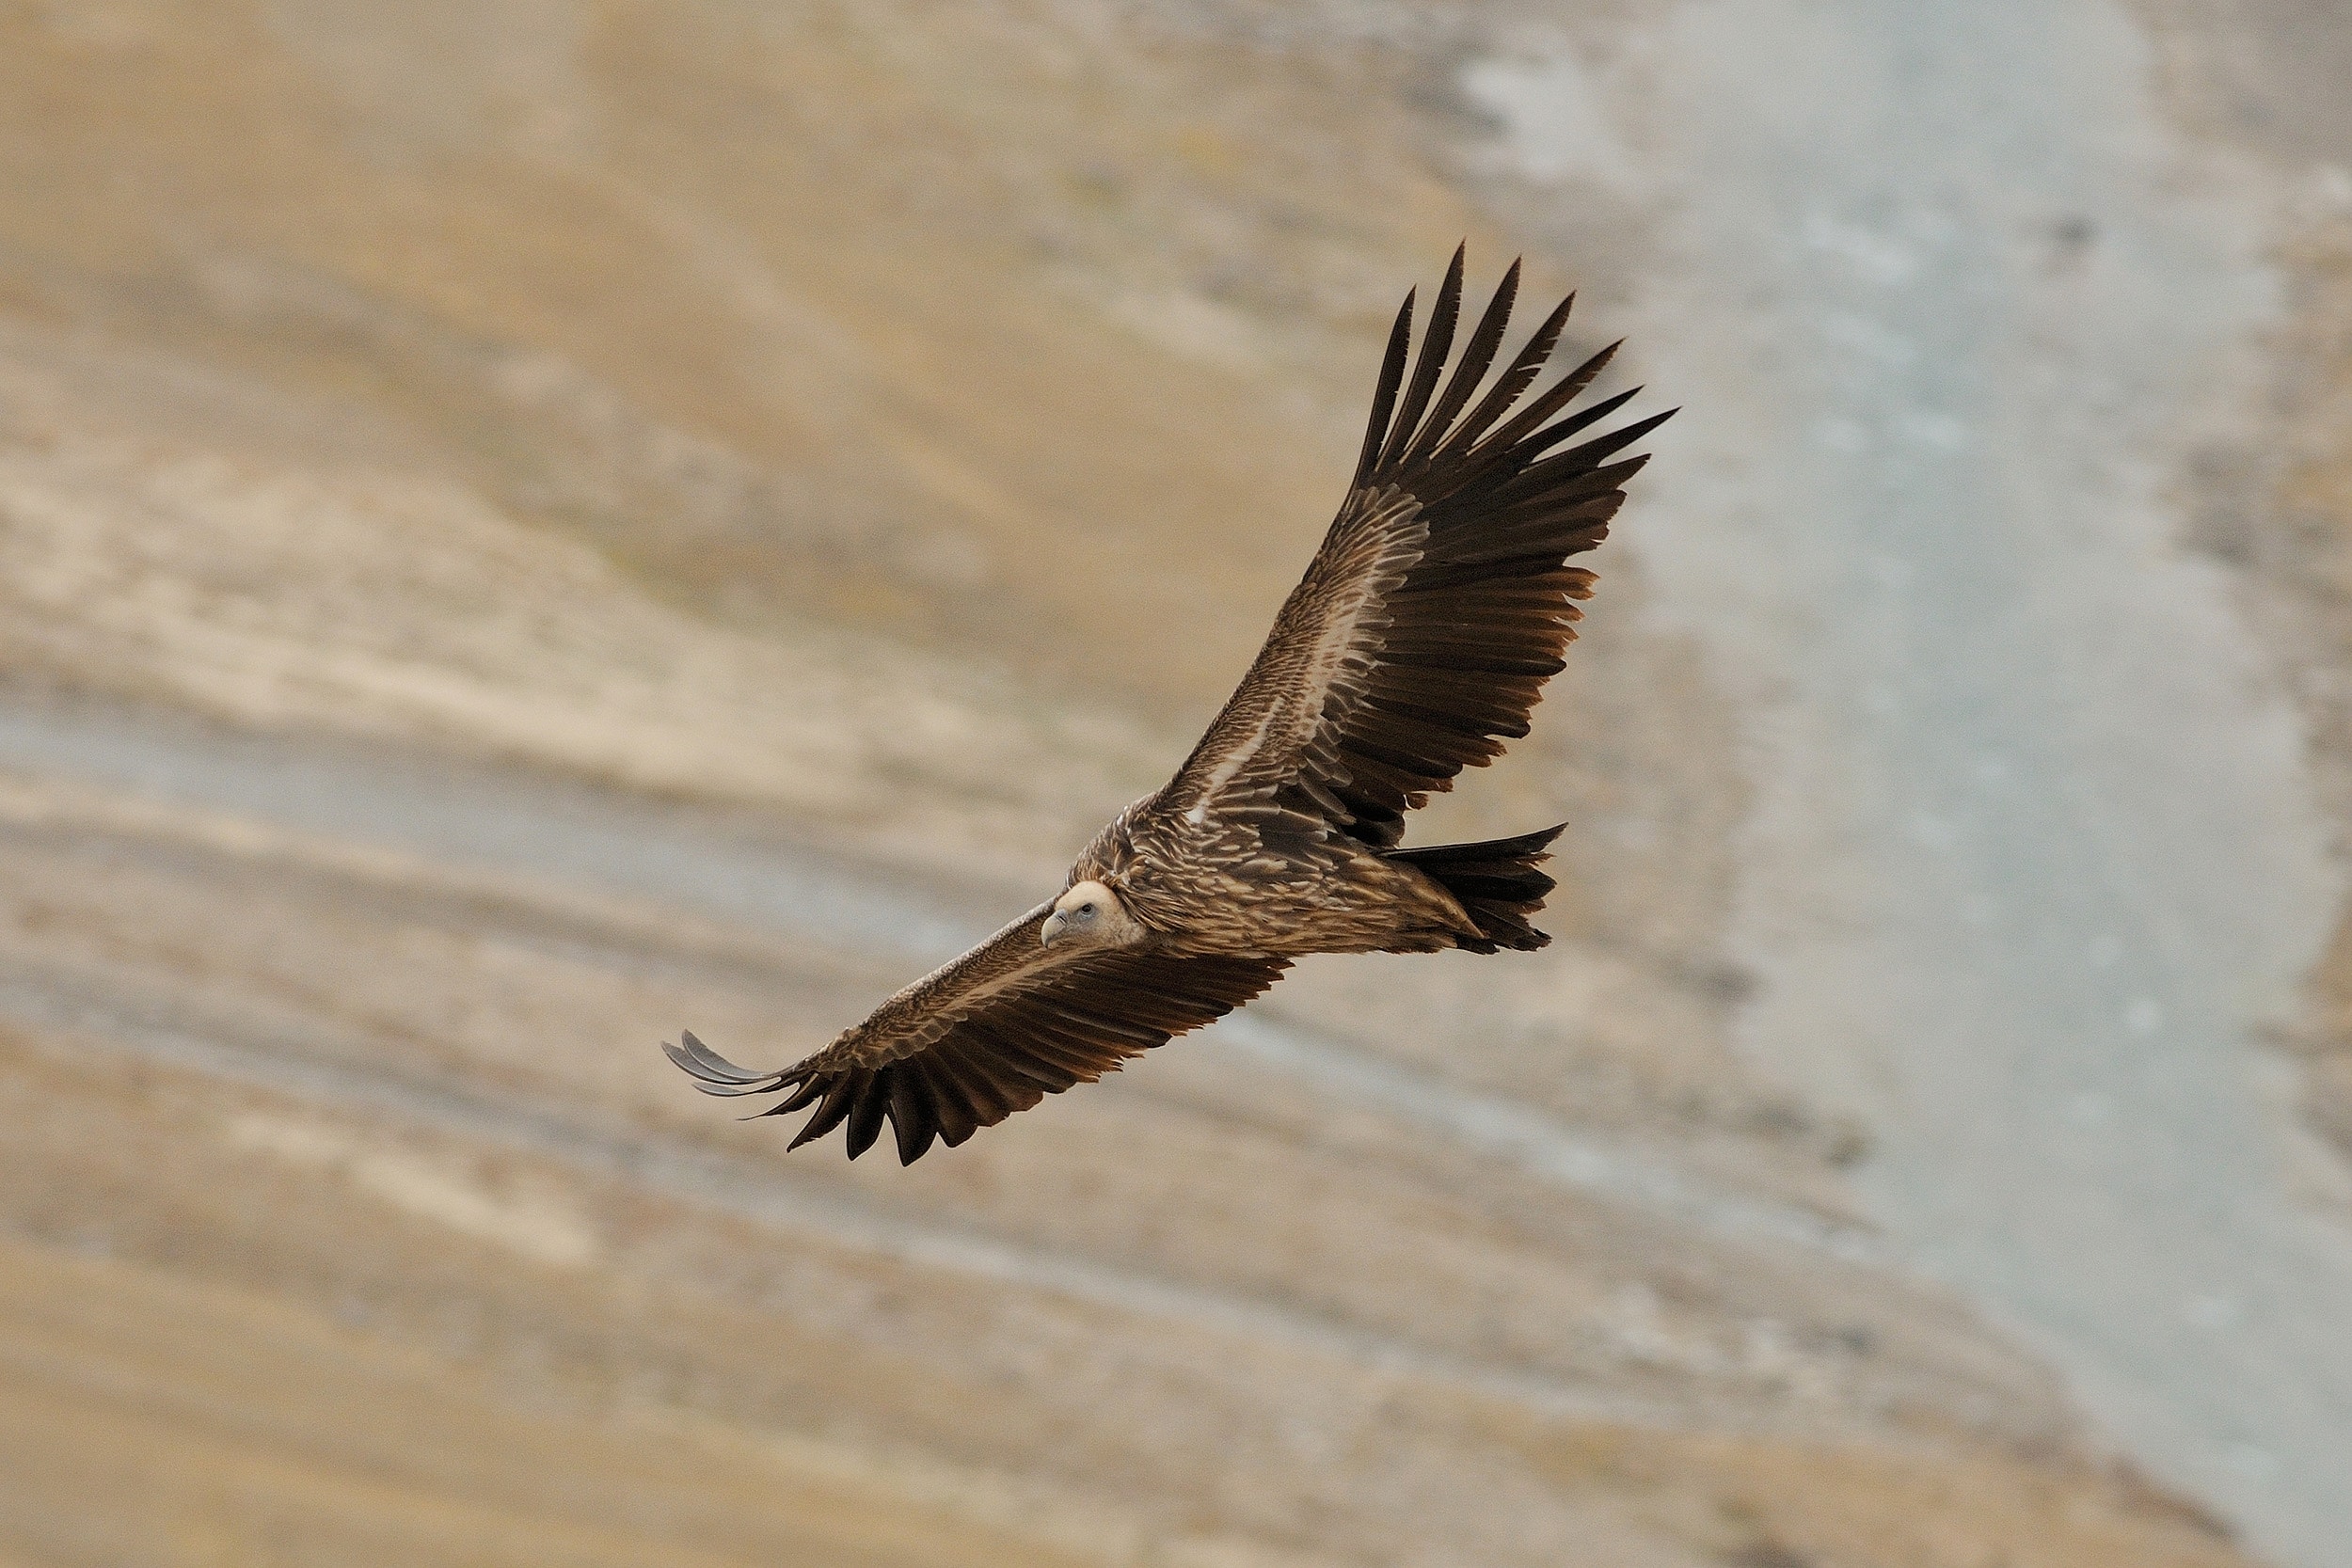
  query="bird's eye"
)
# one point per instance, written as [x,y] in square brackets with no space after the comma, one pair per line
[1085,908]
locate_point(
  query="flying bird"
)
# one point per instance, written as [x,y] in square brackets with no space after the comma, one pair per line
[1416,645]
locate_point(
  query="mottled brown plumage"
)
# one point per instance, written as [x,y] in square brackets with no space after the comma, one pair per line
[1416,645]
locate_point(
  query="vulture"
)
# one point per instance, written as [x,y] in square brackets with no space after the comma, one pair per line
[1416,645]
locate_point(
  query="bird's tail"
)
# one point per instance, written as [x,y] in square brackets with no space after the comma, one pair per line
[1497,881]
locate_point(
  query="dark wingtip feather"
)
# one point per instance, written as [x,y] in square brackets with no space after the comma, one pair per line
[865,1114]
[1523,369]
[1530,448]
[805,1094]
[1477,356]
[840,1100]
[913,1122]
[1383,396]
[1591,452]
[1529,420]
[1437,341]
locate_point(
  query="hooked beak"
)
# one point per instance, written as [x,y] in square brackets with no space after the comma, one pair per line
[1052,929]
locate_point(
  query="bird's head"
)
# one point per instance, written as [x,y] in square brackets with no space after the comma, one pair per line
[1090,914]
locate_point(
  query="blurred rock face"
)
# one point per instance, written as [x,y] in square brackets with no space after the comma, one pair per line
[630,480]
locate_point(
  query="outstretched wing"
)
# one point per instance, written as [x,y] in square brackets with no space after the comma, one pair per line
[1421,635]
[991,1032]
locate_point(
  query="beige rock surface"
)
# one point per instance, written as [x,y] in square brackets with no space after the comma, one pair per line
[878,433]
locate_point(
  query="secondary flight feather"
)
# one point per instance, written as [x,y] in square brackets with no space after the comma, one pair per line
[1416,645]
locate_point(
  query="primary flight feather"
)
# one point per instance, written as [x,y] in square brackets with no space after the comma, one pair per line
[1416,645]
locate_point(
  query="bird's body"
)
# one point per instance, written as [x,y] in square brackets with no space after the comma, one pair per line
[1417,643]
[1281,890]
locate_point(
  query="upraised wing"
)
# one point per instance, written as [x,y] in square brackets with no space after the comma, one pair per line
[1441,599]
[989,1033]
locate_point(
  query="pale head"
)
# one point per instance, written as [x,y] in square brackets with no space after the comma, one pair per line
[1090,915]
